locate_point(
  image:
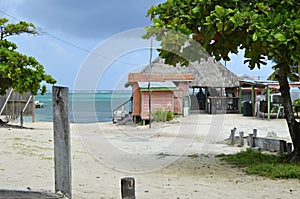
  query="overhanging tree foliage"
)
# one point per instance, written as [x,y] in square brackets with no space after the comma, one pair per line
[263,29]
[18,71]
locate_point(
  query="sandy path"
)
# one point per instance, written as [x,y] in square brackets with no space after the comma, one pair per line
[167,161]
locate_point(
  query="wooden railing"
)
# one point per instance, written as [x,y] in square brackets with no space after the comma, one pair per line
[222,105]
[123,111]
[122,106]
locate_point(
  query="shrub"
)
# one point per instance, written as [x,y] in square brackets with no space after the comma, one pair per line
[170,115]
[296,102]
[161,115]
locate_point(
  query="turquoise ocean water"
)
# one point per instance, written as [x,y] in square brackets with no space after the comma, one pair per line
[84,107]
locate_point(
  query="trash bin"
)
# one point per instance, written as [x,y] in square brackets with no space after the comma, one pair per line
[247,109]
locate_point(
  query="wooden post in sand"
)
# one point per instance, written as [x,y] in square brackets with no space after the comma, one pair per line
[289,147]
[62,152]
[128,188]
[254,132]
[251,140]
[282,146]
[241,139]
[232,136]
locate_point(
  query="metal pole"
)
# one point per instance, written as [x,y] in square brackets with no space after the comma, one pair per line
[149,84]
[253,100]
[150,112]
[240,98]
[269,102]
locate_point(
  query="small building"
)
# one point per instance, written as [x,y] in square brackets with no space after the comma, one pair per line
[167,92]
[260,96]
[162,95]
[214,88]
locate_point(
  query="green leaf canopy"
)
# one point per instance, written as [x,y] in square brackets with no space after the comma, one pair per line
[18,71]
[264,29]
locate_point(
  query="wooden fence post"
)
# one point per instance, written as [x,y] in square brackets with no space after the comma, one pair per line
[251,140]
[241,138]
[62,146]
[232,136]
[282,146]
[21,120]
[128,188]
[254,132]
[289,147]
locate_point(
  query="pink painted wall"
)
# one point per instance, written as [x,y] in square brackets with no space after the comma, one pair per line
[159,99]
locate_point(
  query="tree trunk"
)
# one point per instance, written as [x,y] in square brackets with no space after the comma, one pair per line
[293,125]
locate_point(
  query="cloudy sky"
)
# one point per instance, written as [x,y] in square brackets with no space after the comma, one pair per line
[94,42]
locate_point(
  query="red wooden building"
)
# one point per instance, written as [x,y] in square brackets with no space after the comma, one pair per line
[167,92]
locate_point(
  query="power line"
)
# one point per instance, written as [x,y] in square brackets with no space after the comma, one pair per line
[10,15]
[72,44]
[87,51]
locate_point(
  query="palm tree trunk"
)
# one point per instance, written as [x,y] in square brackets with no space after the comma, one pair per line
[293,125]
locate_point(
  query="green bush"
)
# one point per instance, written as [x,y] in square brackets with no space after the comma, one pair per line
[296,102]
[275,109]
[161,115]
[170,115]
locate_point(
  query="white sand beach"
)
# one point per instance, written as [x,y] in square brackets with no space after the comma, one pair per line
[174,160]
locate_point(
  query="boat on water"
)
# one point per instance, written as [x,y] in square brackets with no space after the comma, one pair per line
[39,104]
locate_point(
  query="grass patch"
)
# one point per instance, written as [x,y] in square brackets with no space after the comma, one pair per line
[193,156]
[17,139]
[47,158]
[27,140]
[29,153]
[24,139]
[43,148]
[267,165]
[5,153]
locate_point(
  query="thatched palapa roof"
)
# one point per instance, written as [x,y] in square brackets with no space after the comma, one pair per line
[207,73]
